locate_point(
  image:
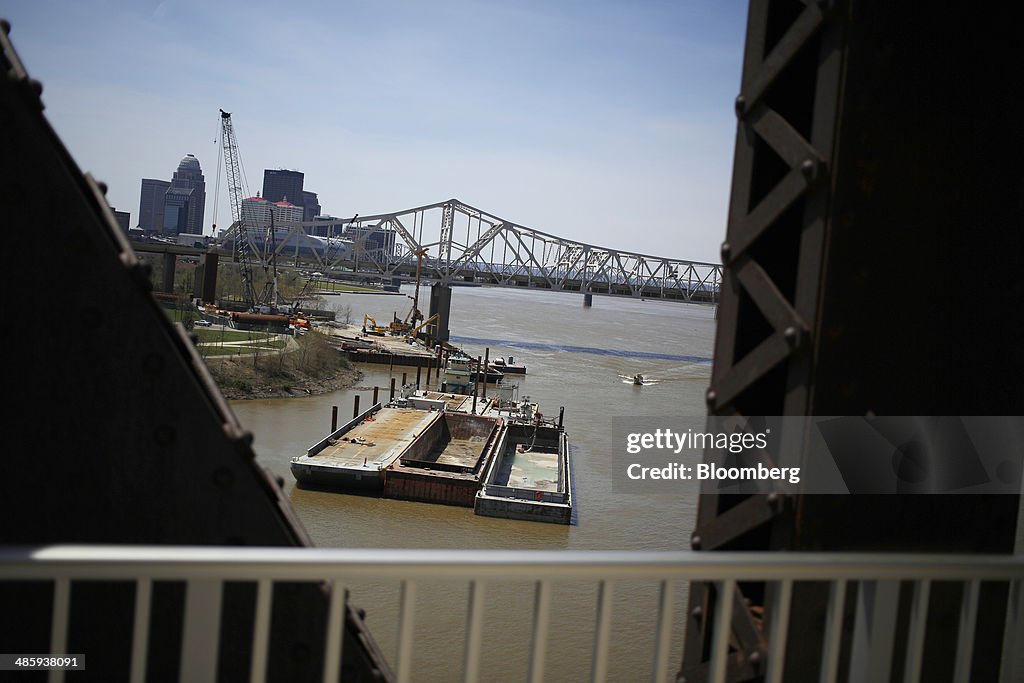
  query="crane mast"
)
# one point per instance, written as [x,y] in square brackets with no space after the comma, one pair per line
[236,193]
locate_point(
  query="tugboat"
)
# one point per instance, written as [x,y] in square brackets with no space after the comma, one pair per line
[638,380]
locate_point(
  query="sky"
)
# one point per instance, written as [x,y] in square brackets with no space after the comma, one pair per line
[610,123]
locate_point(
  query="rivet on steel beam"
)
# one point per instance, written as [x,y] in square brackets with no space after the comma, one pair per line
[245,439]
[35,86]
[696,612]
[695,542]
[808,167]
[710,396]
[103,187]
[726,253]
[773,500]
[279,480]
[5,26]
[755,657]
[792,336]
[141,273]
[740,105]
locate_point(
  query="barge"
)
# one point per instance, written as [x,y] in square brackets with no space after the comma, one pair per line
[530,477]
[430,456]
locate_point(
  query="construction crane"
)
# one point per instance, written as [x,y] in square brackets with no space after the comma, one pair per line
[236,193]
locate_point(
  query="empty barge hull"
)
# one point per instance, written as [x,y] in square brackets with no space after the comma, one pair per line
[447,463]
[405,454]
[529,477]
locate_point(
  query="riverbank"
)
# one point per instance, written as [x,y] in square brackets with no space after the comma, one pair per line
[310,367]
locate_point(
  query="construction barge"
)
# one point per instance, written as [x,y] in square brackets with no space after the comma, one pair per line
[404,453]
[530,478]
[495,456]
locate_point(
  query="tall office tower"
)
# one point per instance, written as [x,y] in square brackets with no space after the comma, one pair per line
[188,181]
[123,219]
[151,204]
[178,202]
[311,205]
[280,184]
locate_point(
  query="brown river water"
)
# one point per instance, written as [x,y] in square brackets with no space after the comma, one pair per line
[575,357]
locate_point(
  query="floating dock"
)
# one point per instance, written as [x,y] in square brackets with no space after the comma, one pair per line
[383,350]
[530,477]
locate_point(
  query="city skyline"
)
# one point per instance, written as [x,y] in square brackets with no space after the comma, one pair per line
[608,124]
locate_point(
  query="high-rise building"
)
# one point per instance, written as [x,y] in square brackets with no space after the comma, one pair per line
[177,206]
[310,204]
[178,202]
[151,204]
[280,185]
[188,181]
[123,219]
[286,212]
[255,211]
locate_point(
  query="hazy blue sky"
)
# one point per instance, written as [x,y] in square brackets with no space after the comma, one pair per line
[606,122]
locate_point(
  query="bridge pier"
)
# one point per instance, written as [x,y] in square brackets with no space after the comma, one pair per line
[170,260]
[588,300]
[441,304]
[205,288]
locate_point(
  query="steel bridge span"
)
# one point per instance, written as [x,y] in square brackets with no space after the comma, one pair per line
[463,244]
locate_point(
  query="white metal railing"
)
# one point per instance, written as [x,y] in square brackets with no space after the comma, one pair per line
[205,569]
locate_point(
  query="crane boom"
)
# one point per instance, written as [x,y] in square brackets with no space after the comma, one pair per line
[233,165]
[237,192]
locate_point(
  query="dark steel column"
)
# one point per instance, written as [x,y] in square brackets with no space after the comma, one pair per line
[871,267]
[441,304]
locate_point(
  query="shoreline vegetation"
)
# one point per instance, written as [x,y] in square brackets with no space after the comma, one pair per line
[307,366]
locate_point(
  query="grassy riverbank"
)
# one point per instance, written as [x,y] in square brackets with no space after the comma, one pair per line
[310,366]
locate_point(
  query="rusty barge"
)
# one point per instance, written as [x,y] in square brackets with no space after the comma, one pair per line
[497,456]
[404,453]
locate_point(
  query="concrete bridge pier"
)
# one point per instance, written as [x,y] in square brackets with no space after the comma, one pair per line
[205,288]
[170,261]
[588,300]
[441,304]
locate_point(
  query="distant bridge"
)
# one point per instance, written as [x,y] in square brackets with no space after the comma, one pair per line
[462,244]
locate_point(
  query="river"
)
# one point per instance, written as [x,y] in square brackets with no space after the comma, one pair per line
[574,357]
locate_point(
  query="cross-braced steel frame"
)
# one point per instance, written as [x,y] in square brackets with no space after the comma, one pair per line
[465,244]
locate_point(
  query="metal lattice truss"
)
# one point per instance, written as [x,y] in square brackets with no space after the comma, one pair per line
[462,244]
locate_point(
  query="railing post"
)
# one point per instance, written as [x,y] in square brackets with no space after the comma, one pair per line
[140,630]
[602,632]
[59,628]
[201,634]
[871,657]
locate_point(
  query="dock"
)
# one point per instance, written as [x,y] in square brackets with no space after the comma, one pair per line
[383,350]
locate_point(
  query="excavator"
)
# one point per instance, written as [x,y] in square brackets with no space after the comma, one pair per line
[373,328]
[407,327]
